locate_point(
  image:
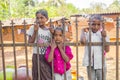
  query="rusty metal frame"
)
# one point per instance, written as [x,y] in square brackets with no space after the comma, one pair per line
[14,45]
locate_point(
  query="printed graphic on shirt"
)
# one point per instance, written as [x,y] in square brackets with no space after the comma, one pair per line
[43,39]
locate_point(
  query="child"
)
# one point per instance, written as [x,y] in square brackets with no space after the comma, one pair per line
[38,33]
[55,52]
[96,51]
[67,27]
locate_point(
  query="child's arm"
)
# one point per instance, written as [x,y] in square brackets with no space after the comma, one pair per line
[63,54]
[51,54]
[83,37]
[107,47]
[32,38]
[83,40]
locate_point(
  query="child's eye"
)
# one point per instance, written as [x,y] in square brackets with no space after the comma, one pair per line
[41,17]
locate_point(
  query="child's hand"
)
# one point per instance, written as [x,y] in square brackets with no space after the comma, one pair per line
[36,26]
[86,29]
[60,46]
[51,30]
[53,44]
[83,40]
[103,33]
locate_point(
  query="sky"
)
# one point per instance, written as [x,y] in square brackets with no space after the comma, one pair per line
[85,3]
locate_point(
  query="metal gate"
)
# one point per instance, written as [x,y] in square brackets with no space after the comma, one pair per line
[76,44]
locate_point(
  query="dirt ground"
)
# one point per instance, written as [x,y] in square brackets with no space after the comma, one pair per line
[21,60]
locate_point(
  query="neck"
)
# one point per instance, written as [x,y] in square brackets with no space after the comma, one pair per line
[42,26]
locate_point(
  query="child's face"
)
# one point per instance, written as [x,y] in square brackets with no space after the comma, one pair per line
[95,25]
[41,19]
[58,37]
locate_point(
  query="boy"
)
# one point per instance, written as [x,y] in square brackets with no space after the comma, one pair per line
[96,51]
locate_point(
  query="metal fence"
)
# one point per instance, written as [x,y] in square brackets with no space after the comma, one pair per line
[76,44]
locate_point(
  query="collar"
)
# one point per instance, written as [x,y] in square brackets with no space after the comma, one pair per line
[97,33]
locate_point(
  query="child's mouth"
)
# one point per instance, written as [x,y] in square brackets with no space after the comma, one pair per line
[57,42]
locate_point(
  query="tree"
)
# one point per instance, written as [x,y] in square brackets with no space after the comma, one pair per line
[67,10]
[115,6]
[56,3]
[27,8]
[4,9]
[98,7]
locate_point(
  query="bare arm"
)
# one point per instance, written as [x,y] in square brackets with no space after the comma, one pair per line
[32,38]
[51,55]
[83,38]
[106,47]
[64,56]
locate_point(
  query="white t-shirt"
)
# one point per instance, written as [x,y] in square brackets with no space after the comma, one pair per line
[44,36]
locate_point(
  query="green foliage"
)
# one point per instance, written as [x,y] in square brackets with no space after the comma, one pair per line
[67,10]
[3,9]
[102,8]
[27,8]
[115,6]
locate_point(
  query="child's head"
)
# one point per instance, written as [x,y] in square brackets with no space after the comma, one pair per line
[95,22]
[59,23]
[41,17]
[58,35]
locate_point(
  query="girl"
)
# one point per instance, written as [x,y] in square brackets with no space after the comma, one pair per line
[55,52]
[38,33]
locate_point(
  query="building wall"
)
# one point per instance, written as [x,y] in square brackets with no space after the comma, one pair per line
[7,33]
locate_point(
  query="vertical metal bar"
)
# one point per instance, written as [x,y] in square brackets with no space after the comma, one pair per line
[117,48]
[103,48]
[63,25]
[53,59]
[38,60]
[77,47]
[38,57]
[89,47]
[13,38]
[2,47]
[26,52]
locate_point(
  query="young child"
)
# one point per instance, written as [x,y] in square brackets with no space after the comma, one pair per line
[55,52]
[96,51]
[38,33]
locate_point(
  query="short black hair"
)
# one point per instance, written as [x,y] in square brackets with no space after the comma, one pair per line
[58,28]
[95,17]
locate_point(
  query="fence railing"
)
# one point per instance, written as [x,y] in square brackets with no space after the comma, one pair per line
[76,44]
